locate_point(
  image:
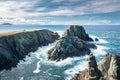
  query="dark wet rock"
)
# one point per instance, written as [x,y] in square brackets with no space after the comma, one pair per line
[14,47]
[96,39]
[70,46]
[79,31]
[94,73]
[108,69]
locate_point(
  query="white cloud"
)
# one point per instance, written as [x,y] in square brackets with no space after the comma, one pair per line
[15,8]
[19,10]
[56,1]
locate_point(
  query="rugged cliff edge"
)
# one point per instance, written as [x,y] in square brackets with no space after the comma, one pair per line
[14,47]
[73,43]
[107,69]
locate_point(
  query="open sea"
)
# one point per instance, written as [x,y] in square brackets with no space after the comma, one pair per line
[38,67]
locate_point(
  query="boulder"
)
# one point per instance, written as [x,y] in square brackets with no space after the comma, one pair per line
[70,46]
[15,47]
[96,39]
[79,31]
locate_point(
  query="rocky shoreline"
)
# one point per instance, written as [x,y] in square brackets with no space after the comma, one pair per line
[74,42]
[16,46]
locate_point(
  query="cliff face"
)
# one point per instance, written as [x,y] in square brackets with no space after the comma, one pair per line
[73,43]
[14,47]
[107,69]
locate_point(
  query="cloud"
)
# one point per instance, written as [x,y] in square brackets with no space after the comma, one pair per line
[23,10]
[69,7]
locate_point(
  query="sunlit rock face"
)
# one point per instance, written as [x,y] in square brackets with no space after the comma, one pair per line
[107,69]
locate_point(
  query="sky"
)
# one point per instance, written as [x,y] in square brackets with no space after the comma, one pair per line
[85,12]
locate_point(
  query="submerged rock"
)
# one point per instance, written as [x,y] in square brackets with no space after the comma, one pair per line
[108,69]
[14,47]
[79,31]
[69,46]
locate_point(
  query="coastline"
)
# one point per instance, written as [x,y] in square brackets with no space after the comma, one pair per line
[15,46]
[53,66]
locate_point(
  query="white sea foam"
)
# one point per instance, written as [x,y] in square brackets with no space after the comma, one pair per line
[99,51]
[72,71]
[62,63]
[42,56]
[21,78]
[37,70]
[101,41]
[60,33]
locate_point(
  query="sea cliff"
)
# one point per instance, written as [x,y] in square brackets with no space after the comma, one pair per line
[15,46]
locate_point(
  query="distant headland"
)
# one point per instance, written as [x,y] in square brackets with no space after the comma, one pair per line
[6,24]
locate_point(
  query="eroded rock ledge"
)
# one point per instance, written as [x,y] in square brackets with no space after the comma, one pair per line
[73,43]
[14,47]
[107,69]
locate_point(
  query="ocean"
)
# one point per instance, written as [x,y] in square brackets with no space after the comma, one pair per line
[38,67]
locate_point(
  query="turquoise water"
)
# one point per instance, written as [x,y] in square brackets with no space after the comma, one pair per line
[38,67]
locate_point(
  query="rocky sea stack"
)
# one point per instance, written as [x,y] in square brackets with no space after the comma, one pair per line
[107,69]
[14,47]
[78,31]
[73,43]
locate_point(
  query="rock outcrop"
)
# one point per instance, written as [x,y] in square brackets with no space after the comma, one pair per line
[91,73]
[14,47]
[96,39]
[73,43]
[70,46]
[79,31]
[108,69]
